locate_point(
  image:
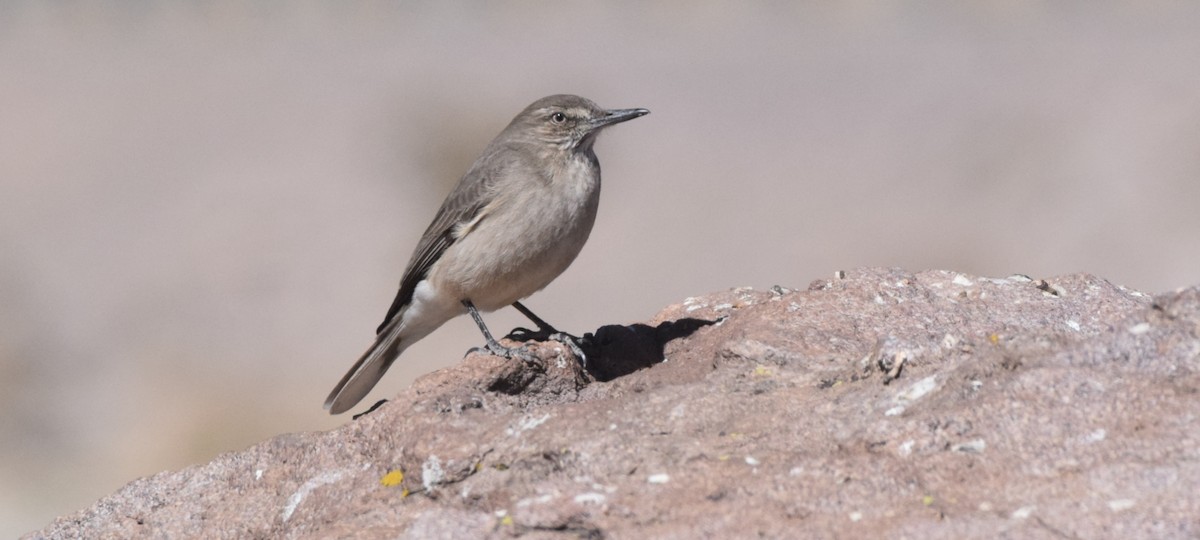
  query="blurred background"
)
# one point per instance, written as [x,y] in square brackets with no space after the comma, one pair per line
[205,207]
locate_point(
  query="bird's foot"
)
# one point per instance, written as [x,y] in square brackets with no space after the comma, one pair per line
[574,343]
[496,349]
[548,333]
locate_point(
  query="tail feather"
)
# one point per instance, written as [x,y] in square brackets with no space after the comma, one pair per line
[367,371]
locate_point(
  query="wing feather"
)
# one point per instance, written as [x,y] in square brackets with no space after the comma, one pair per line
[471,195]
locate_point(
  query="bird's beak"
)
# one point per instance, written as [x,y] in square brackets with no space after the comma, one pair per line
[616,116]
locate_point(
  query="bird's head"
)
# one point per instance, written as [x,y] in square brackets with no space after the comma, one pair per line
[567,122]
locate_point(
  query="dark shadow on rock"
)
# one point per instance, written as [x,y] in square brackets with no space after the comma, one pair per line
[616,350]
[377,405]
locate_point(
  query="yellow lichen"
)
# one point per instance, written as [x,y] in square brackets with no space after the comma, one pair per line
[393,478]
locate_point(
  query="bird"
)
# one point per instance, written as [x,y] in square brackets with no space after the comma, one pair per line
[513,223]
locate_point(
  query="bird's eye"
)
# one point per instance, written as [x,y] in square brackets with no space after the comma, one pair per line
[558,118]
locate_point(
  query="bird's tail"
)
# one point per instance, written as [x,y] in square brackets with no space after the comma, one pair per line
[368,369]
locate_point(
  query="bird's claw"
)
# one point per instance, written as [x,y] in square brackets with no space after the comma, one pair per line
[523,353]
[496,349]
[571,342]
[521,333]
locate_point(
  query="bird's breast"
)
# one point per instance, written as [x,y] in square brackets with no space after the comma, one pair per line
[528,235]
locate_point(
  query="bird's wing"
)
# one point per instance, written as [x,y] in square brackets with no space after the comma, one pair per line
[462,206]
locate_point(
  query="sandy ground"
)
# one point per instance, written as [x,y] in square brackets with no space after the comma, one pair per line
[204,211]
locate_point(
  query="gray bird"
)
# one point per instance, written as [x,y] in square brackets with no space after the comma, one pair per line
[513,223]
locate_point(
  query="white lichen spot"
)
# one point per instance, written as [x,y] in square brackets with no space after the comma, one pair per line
[949,341]
[1139,329]
[962,280]
[612,427]
[1117,505]
[258,474]
[723,307]
[1096,436]
[856,516]
[660,478]
[591,497]
[527,423]
[694,307]
[793,307]
[919,389]
[530,501]
[906,447]
[971,447]
[796,471]
[432,473]
[1073,325]
[1023,512]
[752,461]
[313,483]
[879,300]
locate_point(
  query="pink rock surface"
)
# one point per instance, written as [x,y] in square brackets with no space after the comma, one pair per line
[880,403]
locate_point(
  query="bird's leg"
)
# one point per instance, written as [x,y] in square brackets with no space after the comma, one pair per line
[546,332]
[493,346]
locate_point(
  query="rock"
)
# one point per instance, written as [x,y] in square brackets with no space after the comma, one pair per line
[875,404]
